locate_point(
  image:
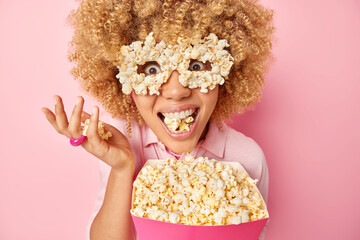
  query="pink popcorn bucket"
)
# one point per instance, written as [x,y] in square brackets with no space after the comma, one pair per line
[148,229]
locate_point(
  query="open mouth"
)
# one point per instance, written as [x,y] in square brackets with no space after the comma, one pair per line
[179,122]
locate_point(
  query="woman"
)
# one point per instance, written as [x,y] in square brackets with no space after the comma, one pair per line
[167,101]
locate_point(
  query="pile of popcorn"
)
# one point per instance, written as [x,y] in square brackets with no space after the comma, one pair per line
[101,131]
[174,57]
[196,191]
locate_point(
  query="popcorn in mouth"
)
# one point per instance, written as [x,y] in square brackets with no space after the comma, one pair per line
[179,122]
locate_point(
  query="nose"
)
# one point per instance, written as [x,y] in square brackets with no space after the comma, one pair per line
[172,89]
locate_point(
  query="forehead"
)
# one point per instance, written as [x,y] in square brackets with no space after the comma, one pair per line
[171,37]
[152,41]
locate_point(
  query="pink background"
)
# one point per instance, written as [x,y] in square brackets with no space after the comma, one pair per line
[307,124]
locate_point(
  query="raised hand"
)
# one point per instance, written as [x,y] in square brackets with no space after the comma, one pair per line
[116,152]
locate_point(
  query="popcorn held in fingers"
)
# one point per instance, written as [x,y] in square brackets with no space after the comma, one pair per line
[101,130]
[196,191]
[178,57]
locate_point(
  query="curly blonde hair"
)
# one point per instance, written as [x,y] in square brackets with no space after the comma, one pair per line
[103,26]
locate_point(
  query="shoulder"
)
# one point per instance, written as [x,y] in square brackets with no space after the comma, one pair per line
[240,143]
[245,150]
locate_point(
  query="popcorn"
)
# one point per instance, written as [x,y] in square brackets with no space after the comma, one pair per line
[101,130]
[174,57]
[196,191]
[174,217]
[236,220]
[178,125]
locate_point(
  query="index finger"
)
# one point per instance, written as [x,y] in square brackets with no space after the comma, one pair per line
[50,116]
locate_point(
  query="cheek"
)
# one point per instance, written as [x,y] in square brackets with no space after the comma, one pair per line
[210,99]
[144,104]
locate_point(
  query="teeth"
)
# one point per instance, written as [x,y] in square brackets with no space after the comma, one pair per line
[179,115]
[182,114]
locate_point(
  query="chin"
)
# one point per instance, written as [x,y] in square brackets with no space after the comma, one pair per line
[180,147]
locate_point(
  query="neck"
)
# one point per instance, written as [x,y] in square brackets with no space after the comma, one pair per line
[172,153]
[204,132]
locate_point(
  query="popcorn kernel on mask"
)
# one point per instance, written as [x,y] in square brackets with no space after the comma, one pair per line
[174,57]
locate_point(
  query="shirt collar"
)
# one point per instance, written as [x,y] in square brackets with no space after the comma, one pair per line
[214,141]
[149,136]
